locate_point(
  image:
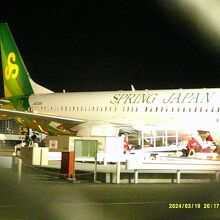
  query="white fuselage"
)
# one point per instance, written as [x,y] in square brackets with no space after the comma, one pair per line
[189,106]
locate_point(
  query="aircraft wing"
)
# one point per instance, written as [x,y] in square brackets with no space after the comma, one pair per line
[41,120]
[31,115]
[51,124]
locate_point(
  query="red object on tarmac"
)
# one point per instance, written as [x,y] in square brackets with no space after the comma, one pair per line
[206,150]
[209,137]
[126,146]
[193,144]
[68,164]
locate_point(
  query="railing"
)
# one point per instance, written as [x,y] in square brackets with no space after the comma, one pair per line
[177,166]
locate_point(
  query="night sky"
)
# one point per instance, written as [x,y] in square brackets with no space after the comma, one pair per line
[109,45]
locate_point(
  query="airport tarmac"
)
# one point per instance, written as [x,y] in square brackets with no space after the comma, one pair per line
[44,196]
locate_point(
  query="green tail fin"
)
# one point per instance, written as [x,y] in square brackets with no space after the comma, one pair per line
[15,76]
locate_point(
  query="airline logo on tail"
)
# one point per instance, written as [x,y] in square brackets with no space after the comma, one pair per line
[15,76]
[11,69]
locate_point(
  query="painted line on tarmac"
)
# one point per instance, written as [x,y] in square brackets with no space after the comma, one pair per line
[118,203]
[7,206]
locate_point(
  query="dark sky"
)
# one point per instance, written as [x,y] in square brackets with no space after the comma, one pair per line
[109,45]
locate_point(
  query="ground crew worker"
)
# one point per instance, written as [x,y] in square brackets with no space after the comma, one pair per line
[193,144]
[126,145]
[208,137]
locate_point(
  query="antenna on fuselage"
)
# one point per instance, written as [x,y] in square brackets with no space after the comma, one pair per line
[132,88]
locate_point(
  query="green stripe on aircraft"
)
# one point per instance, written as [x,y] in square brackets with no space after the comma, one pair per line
[15,75]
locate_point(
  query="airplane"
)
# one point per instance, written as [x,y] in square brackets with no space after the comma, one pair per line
[102,113]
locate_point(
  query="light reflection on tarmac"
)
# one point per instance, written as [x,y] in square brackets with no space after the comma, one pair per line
[43,197]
